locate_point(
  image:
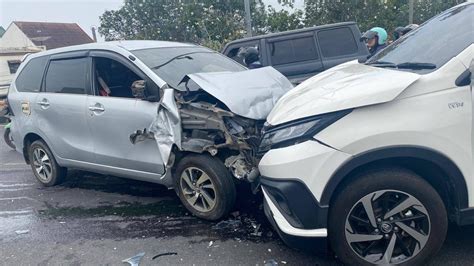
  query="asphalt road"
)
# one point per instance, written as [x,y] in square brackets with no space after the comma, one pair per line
[102,220]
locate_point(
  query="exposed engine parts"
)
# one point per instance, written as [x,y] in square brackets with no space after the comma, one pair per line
[209,128]
[220,113]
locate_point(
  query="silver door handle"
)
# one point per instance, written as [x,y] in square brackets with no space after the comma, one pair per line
[43,103]
[96,109]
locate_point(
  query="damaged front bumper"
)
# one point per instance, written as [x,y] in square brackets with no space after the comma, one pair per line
[221,114]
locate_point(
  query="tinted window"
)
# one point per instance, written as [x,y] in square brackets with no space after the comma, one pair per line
[236,51]
[293,50]
[435,42]
[29,79]
[67,76]
[337,42]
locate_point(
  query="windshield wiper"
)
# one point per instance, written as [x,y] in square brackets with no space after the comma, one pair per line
[182,56]
[416,65]
[382,64]
[406,65]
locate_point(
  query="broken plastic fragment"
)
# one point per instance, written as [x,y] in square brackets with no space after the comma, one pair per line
[229,224]
[22,232]
[271,262]
[135,260]
[165,254]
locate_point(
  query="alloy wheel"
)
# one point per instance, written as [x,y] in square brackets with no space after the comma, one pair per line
[198,189]
[387,227]
[42,164]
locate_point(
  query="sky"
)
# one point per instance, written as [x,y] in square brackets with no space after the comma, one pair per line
[83,12]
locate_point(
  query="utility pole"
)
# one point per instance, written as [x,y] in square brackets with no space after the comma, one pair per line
[410,11]
[248,18]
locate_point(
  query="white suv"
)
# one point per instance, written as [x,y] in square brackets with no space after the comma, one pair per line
[378,157]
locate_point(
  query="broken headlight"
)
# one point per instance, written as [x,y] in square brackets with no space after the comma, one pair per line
[298,131]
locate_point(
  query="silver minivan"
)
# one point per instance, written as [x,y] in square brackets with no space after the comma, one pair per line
[175,114]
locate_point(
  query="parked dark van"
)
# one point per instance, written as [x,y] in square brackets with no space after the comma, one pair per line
[300,54]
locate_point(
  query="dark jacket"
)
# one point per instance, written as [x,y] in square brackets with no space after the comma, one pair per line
[375,49]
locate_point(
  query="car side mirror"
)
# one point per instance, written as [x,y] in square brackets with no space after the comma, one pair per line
[139,89]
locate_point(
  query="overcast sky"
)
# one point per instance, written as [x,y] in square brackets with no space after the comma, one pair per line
[83,12]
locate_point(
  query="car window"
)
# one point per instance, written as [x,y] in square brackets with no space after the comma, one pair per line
[173,64]
[337,42]
[29,79]
[67,76]
[113,78]
[435,42]
[293,50]
[236,51]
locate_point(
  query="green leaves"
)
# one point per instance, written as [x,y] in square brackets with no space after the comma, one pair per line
[208,22]
[214,23]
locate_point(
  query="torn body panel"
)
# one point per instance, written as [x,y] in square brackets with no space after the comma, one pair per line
[222,115]
[251,94]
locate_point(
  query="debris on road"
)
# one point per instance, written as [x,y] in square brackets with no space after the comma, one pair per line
[22,232]
[165,254]
[228,225]
[270,262]
[135,260]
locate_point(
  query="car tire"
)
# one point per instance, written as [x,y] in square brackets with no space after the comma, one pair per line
[8,138]
[205,186]
[406,210]
[44,165]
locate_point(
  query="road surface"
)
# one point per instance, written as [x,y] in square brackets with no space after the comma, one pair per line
[93,219]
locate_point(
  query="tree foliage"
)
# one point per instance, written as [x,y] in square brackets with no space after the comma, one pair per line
[388,14]
[208,22]
[215,22]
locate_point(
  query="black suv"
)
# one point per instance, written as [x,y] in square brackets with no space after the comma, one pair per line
[300,54]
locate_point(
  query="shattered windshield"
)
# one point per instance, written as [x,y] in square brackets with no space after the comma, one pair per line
[431,45]
[172,64]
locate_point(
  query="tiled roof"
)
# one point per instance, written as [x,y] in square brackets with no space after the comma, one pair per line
[53,35]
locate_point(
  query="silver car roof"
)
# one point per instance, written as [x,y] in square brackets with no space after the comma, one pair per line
[114,46]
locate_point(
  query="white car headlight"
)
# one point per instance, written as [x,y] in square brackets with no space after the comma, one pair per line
[297,131]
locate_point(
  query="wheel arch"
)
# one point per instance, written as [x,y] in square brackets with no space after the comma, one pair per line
[440,171]
[27,140]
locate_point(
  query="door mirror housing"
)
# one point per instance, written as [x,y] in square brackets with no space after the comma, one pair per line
[139,89]
[143,91]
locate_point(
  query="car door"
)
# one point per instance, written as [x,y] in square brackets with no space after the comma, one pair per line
[113,118]
[60,107]
[296,56]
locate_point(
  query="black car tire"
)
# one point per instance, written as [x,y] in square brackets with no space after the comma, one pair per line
[382,181]
[219,179]
[57,173]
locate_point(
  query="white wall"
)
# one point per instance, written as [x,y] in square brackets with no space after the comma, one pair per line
[15,38]
[5,75]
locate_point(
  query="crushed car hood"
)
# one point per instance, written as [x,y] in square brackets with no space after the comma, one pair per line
[251,94]
[346,86]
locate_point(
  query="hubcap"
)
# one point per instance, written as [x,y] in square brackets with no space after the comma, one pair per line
[42,165]
[387,227]
[198,189]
